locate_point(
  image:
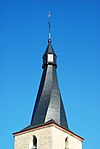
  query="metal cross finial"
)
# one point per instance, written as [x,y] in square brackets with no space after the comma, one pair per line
[49,35]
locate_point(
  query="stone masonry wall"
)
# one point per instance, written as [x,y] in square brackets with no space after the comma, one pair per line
[43,135]
[48,137]
[58,140]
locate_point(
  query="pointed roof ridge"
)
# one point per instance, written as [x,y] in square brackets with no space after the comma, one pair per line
[49,49]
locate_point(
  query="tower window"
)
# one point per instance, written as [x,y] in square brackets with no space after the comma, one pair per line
[34,146]
[66,143]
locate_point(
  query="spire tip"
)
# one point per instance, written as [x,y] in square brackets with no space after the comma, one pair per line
[49,34]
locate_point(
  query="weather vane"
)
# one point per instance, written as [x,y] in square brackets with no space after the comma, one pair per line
[49,15]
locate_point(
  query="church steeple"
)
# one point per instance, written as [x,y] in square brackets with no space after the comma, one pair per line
[49,105]
[48,128]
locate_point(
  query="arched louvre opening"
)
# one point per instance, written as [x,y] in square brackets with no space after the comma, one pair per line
[34,146]
[66,143]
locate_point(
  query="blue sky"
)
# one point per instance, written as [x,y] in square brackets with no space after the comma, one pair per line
[75,31]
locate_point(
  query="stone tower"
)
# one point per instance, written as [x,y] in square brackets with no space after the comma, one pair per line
[49,127]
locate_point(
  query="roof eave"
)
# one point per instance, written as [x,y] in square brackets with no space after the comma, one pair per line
[49,124]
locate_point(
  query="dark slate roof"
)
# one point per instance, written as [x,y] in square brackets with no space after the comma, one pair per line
[49,49]
[49,105]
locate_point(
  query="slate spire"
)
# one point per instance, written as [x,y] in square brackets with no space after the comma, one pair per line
[49,105]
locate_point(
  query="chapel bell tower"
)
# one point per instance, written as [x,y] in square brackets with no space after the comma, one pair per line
[48,128]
